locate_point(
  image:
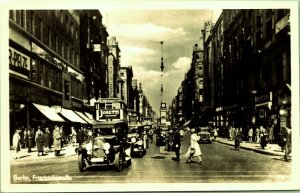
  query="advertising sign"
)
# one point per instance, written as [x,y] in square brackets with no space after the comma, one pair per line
[109,114]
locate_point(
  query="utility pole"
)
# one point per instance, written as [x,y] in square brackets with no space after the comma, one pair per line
[162,71]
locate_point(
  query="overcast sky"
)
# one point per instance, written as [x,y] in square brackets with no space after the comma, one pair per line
[139,33]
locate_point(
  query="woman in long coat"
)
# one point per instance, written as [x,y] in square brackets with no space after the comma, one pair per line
[39,139]
[46,139]
[16,143]
[56,140]
[194,149]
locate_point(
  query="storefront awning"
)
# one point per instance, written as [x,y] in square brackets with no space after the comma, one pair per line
[49,113]
[89,115]
[72,116]
[86,118]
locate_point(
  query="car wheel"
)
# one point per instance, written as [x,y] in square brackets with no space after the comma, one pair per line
[81,163]
[118,162]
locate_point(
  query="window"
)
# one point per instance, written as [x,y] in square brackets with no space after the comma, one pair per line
[33,30]
[55,42]
[72,29]
[23,19]
[33,69]
[49,37]
[67,90]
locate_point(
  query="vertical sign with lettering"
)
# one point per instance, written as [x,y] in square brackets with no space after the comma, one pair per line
[19,63]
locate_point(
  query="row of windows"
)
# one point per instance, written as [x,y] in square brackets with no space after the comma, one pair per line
[45,74]
[49,35]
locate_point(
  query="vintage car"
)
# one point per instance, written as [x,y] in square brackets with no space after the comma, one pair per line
[137,139]
[204,135]
[161,135]
[107,145]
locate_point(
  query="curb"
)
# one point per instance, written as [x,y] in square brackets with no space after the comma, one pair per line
[255,150]
[33,159]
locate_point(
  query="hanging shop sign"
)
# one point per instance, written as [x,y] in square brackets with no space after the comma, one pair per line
[264,100]
[19,63]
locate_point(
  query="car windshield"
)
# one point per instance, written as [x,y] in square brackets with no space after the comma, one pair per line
[105,131]
[133,130]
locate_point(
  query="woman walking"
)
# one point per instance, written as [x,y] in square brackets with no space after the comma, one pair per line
[194,149]
[46,137]
[57,140]
[39,139]
[16,143]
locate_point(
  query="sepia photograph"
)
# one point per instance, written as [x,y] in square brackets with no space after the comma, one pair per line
[149,96]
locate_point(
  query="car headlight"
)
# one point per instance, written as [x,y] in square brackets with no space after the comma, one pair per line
[88,146]
[140,142]
[133,139]
[106,146]
[90,133]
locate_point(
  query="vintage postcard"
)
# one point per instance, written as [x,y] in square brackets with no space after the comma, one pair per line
[149,96]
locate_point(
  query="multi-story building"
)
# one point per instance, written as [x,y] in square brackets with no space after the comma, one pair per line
[113,67]
[94,54]
[126,75]
[251,59]
[44,67]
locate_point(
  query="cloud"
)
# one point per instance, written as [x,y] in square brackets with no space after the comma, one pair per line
[151,81]
[182,63]
[147,32]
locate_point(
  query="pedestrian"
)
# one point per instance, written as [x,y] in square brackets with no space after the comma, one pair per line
[17,143]
[238,138]
[287,138]
[62,135]
[30,139]
[25,138]
[257,134]
[263,137]
[271,134]
[80,136]
[73,135]
[57,140]
[39,139]
[194,149]
[46,137]
[250,135]
[215,133]
[177,145]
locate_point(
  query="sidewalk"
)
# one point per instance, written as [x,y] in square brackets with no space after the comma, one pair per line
[23,155]
[270,149]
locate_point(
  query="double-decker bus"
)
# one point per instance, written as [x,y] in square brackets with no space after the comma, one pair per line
[111,109]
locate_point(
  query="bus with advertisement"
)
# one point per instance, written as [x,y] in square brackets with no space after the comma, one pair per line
[111,109]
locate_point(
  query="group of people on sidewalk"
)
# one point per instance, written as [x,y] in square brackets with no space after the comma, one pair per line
[43,140]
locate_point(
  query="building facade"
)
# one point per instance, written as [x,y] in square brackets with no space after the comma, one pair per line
[44,66]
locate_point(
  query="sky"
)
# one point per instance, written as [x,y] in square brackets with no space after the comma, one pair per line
[139,33]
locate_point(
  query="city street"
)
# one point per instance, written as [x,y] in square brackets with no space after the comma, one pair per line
[221,163]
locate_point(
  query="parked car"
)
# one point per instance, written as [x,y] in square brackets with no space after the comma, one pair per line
[137,139]
[204,135]
[107,144]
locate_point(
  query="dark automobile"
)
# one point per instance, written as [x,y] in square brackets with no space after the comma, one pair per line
[137,138]
[204,135]
[161,135]
[106,144]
